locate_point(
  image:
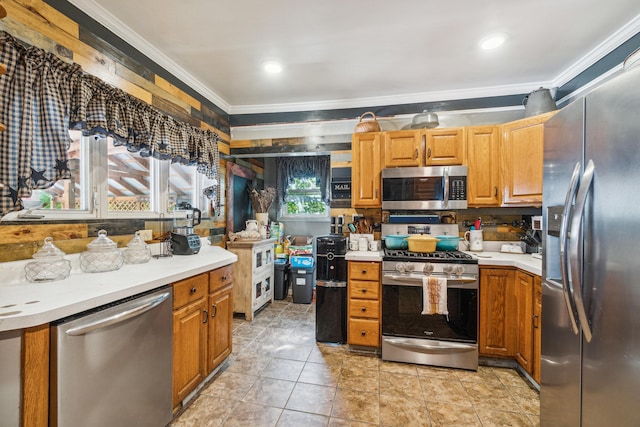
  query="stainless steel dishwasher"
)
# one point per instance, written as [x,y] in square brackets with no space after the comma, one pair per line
[112,366]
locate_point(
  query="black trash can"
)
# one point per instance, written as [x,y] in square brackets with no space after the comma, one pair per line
[331,311]
[302,284]
[281,271]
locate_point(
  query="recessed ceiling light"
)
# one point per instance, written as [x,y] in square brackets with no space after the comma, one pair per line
[493,41]
[272,67]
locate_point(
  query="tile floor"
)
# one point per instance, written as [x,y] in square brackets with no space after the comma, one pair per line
[279,376]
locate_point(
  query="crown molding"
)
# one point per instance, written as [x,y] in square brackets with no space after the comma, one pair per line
[392,100]
[603,49]
[112,23]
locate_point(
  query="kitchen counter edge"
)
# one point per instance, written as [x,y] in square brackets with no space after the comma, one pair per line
[522,261]
[25,304]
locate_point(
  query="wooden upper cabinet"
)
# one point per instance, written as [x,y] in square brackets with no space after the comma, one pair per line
[403,148]
[366,170]
[444,147]
[483,160]
[521,161]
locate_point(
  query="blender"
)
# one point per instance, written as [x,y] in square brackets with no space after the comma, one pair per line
[183,240]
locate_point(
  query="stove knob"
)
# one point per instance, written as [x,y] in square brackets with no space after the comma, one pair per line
[447,269]
[409,267]
[458,270]
[428,268]
[400,267]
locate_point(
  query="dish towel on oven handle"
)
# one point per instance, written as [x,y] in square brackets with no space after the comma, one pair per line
[434,295]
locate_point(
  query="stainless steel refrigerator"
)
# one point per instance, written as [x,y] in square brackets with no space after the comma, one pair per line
[590,365]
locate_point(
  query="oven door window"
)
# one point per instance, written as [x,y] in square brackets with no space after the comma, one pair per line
[402,314]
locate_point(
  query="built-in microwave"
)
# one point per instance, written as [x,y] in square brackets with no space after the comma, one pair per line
[431,187]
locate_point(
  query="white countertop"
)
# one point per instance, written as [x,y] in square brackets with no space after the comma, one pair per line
[524,262]
[24,304]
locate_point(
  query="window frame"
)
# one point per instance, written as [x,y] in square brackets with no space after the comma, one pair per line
[94,189]
[304,216]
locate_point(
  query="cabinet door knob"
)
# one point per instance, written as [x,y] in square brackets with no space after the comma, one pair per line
[536,323]
[214,310]
[224,278]
[206,316]
[495,191]
[194,290]
[415,155]
[363,333]
[363,309]
[429,153]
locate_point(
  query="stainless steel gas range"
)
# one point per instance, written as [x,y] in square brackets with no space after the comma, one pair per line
[448,338]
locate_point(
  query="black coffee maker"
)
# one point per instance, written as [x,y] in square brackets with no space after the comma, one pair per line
[183,240]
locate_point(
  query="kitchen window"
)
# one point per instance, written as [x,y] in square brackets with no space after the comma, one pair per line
[304,199]
[302,186]
[108,181]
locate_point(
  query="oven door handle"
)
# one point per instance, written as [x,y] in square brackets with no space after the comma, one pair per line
[429,346]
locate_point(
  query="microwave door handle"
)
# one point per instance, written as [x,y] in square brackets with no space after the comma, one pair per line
[564,254]
[446,188]
[576,262]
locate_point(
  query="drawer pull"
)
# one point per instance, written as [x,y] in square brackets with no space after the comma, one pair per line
[364,290]
[224,278]
[194,290]
[363,333]
[364,309]
[206,316]
[364,271]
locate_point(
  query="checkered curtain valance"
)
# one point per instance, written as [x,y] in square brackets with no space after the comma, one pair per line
[42,97]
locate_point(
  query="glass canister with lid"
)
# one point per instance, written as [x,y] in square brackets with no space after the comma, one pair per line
[49,264]
[137,251]
[102,254]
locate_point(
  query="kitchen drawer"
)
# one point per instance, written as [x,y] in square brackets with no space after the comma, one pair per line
[189,290]
[220,277]
[364,270]
[364,308]
[364,290]
[364,332]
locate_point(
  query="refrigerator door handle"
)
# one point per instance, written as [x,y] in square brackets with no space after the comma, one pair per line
[564,258]
[574,246]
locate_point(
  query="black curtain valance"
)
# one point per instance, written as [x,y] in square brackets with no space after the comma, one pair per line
[288,168]
[42,97]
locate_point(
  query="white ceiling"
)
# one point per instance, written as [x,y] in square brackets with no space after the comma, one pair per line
[355,53]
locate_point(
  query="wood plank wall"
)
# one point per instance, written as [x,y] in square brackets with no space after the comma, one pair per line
[38,24]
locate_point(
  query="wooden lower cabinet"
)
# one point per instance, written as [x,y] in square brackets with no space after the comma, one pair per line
[220,317]
[364,293]
[537,326]
[510,316]
[498,312]
[524,339]
[202,327]
[189,349]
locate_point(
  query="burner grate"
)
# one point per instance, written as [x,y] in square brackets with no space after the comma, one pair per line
[399,254]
